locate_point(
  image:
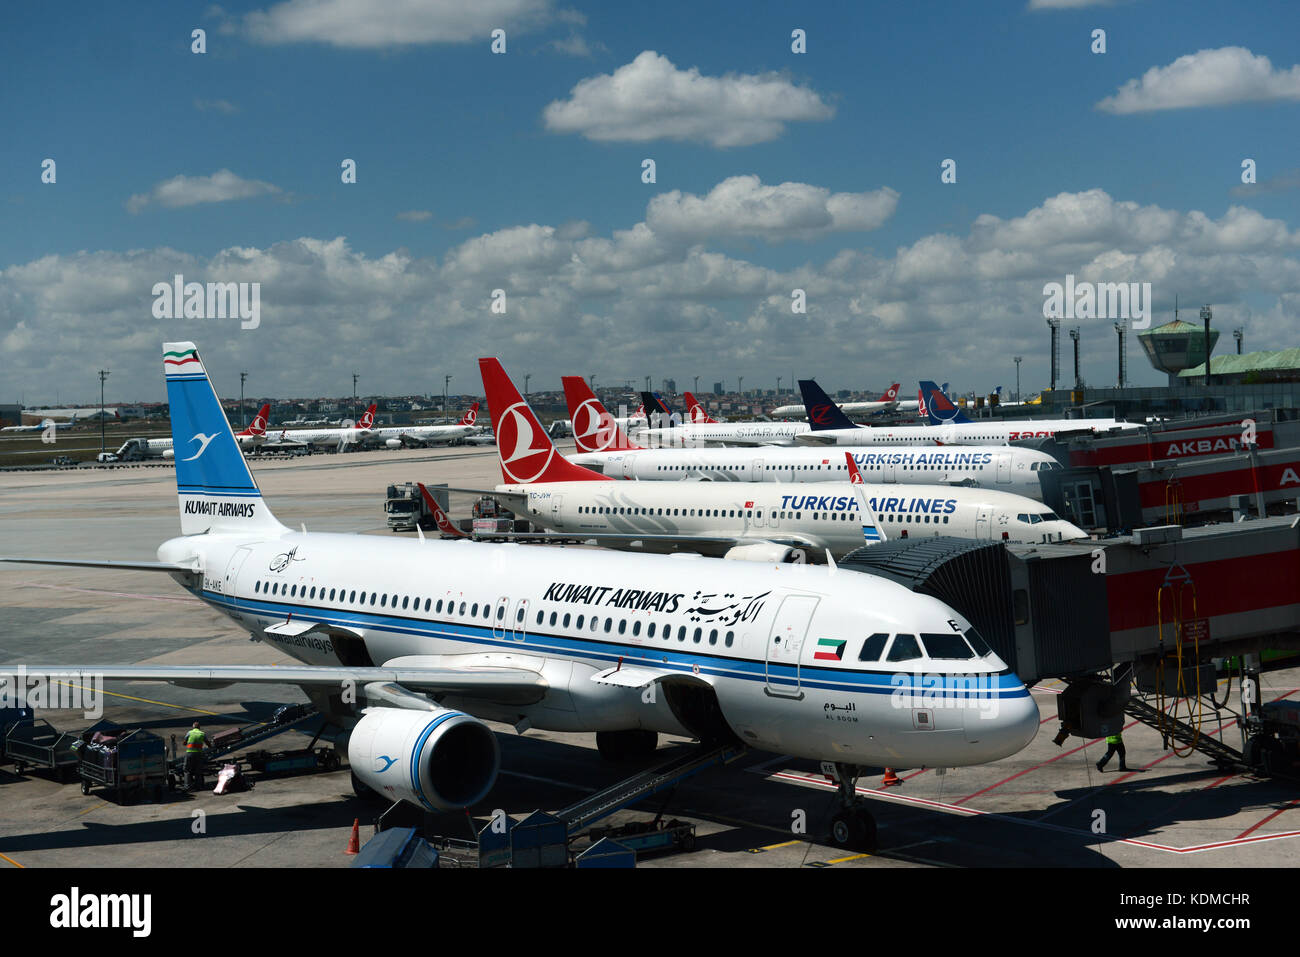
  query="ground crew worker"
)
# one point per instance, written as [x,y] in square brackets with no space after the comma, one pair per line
[195,742]
[1114,745]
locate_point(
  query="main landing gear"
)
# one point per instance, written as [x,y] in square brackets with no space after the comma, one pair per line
[852,827]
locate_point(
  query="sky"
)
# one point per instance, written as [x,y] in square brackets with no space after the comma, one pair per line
[135,152]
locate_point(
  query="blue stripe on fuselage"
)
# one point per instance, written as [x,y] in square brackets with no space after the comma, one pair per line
[813,676]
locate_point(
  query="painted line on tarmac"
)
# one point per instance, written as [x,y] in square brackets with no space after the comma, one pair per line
[1087,835]
[12,861]
[1254,827]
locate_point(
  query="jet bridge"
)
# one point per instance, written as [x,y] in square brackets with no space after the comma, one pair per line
[1152,608]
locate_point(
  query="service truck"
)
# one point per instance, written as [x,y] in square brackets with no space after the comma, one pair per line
[405,506]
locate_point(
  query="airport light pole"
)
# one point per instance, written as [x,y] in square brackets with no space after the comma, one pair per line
[1074,337]
[355,377]
[1238,334]
[647,384]
[778,387]
[697,383]
[446,384]
[242,377]
[740,385]
[102,376]
[1018,361]
[527,376]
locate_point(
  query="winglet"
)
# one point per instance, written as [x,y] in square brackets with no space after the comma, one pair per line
[444,523]
[823,414]
[871,532]
[524,450]
[594,429]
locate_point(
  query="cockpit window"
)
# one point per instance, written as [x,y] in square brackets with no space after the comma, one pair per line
[1047,517]
[978,643]
[873,647]
[948,646]
[904,648]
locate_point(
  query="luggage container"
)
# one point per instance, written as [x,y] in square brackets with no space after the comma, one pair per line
[129,764]
[39,745]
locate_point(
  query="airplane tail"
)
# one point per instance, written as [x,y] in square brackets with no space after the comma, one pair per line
[470,416]
[444,523]
[257,428]
[823,414]
[594,429]
[368,418]
[216,489]
[891,393]
[697,413]
[938,407]
[524,450]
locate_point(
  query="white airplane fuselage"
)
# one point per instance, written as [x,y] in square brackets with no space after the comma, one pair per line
[823,517]
[695,435]
[1005,468]
[779,646]
[991,432]
[395,436]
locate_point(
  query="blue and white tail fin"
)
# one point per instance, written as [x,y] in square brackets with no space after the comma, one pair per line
[217,491]
[938,407]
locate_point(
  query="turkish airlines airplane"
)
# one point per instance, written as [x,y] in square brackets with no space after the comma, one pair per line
[323,438]
[604,448]
[889,402]
[696,411]
[249,438]
[438,637]
[949,426]
[412,436]
[756,521]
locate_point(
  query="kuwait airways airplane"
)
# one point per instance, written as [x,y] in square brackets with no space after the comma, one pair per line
[757,521]
[432,638]
[603,447]
[948,425]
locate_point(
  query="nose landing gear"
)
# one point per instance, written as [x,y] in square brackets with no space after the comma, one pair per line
[852,827]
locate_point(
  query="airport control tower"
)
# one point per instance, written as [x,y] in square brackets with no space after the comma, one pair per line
[1176,346]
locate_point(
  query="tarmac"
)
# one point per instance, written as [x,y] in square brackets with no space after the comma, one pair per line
[1046,806]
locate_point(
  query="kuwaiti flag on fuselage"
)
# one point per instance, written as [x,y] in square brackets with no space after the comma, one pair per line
[217,491]
[829,649]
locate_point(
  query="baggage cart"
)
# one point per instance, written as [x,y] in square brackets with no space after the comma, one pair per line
[39,745]
[135,765]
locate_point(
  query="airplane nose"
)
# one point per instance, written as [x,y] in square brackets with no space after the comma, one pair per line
[1003,726]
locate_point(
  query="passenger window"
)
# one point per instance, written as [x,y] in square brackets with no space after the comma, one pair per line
[873,647]
[405,599]
[731,636]
[650,632]
[696,637]
[904,648]
[581,618]
[566,620]
[713,636]
[636,627]
[608,623]
[539,617]
[622,626]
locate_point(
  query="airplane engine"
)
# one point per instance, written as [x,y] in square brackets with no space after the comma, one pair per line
[767,552]
[392,443]
[169,454]
[442,760]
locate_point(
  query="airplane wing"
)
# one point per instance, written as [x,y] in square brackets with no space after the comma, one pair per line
[500,684]
[705,544]
[122,565]
[814,438]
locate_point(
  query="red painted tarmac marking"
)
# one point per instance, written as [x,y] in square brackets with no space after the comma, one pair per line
[1254,827]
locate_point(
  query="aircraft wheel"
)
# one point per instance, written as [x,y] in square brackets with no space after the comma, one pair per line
[853,829]
[612,745]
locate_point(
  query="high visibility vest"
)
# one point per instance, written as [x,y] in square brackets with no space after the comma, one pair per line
[1114,739]
[194,740]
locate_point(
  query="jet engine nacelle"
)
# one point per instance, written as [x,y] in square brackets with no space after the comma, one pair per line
[441,760]
[767,552]
[392,443]
[169,454]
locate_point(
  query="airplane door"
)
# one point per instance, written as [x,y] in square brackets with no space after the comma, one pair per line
[756,470]
[629,466]
[557,517]
[984,522]
[230,586]
[518,627]
[785,644]
[1004,468]
[500,620]
[890,473]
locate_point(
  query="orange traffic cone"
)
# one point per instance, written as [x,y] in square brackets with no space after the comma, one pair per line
[891,779]
[354,842]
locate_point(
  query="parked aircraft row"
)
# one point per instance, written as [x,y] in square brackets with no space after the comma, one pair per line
[439,636]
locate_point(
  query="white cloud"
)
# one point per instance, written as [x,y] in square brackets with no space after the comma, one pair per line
[374,24]
[415,216]
[222,186]
[575,44]
[650,99]
[1206,78]
[635,301]
[743,206]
